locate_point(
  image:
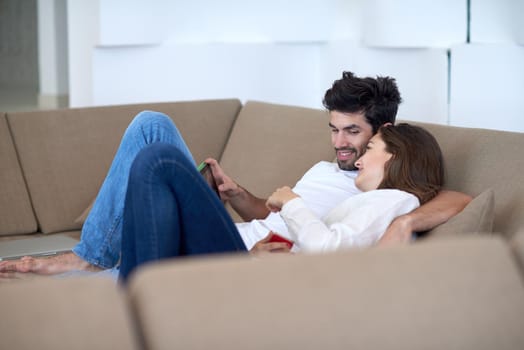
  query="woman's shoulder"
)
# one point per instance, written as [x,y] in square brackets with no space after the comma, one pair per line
[388,194]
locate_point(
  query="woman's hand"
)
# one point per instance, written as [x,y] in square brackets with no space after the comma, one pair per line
[281,196]
[264,246]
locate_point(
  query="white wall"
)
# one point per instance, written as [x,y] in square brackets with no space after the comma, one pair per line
[82,37]
[487,86]
[497,21]
[414,23]
[421,75]
[277,73]
[130,51]
[52,47]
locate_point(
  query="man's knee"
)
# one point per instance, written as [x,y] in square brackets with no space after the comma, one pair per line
[150,117]
[156,153]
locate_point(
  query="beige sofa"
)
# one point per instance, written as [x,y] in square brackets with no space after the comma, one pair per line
[459,287]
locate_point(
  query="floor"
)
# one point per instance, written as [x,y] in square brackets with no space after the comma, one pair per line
[19,99]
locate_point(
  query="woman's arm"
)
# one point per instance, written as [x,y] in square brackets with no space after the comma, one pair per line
[357,222]
[433,213]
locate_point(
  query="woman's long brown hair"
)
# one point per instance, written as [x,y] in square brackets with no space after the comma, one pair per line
[416,165]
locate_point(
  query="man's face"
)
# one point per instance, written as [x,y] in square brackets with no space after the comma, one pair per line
[350,132]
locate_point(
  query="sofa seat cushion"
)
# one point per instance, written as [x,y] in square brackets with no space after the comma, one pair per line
[452,294]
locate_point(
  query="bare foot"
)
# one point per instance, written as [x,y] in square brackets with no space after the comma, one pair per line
[49,265]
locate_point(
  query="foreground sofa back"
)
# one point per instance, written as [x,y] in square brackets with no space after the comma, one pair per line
[460,294]
[64,155]
[454,294]
[75,313]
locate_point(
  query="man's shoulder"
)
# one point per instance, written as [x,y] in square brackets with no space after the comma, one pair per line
[331,168]
[323,166]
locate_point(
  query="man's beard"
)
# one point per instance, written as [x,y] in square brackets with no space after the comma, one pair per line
[348,164]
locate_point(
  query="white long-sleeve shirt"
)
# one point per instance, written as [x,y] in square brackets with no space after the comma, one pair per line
[322,188]
[359,221]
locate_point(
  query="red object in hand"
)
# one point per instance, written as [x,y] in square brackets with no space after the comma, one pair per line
[278,238]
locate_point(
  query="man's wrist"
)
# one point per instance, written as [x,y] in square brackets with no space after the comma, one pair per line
[406,222]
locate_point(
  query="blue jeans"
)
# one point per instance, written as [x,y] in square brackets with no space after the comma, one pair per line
[170,211]
[100,243]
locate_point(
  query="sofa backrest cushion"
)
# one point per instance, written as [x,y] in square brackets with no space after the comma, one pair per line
[273,145]
[450,294]
[65,154]
[17,215]
[477,217]
[477,159]
[73,313]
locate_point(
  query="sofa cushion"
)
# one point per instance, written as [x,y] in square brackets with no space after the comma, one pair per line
[452,294]
[477,217]
[476,159]
[83,216]
[517,243]
[65,154]
[46,313]
[17,214]
[273,145]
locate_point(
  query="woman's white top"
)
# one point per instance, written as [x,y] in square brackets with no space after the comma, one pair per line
[359,221]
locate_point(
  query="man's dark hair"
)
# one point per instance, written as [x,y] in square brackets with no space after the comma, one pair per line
[377,98]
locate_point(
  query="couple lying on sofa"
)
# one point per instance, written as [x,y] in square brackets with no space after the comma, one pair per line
[154,204]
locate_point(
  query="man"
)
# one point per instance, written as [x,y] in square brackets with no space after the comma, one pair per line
[357,108]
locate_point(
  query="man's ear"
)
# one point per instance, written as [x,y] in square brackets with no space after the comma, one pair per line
[388,124]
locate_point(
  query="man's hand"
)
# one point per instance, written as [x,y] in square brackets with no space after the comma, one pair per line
[435,212]
[264,246]
[399,231]
[226,186]
[281,196]
[244,203]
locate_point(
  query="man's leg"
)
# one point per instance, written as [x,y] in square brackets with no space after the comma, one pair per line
[171,211]
[99,247]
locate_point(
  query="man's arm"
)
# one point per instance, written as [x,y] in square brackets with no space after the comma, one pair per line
[248,206]
[435,212]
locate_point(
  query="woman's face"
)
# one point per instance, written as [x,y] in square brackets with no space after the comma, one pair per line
[371,164]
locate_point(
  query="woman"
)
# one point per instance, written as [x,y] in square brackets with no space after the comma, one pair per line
[171,211]
[401,169]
